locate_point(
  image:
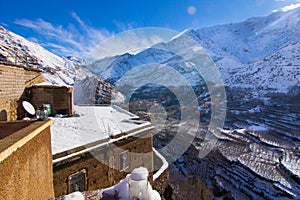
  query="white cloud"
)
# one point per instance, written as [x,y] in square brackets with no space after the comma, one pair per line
[59,49]
[290,7]
[71,40]
[124,27]
[132,41]
[286,8]
[84,41]
[33,39]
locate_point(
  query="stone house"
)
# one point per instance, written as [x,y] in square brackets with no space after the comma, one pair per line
[18,83]
[59,97]
[91,148]
[13,81]
[104,144]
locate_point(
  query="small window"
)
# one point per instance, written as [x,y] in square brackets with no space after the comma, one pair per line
[124,160]
[77,181]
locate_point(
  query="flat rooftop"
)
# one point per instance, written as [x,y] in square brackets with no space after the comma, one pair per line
[91,124]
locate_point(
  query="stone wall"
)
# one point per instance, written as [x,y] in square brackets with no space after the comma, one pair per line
[26,162]
[13,80]
[161,183]
[102,166]
[8,109]
[103,92]
[92,90]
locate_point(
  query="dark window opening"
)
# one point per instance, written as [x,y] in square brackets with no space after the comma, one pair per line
[77,181]
[3,115]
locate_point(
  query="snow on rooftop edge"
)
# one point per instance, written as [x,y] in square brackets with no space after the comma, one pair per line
[164,166]
[94,123]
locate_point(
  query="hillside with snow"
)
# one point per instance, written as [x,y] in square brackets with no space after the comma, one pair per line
[260,53]
[56,70]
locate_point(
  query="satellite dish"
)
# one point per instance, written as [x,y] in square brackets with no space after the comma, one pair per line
[28,107]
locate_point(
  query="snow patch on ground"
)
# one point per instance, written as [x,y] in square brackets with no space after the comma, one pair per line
[74,196]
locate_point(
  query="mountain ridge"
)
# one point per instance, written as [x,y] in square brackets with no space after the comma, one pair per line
[260,53]
[236,48]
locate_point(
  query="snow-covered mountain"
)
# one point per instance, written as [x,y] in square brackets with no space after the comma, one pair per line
[261,53]
[69,71]
[56,70]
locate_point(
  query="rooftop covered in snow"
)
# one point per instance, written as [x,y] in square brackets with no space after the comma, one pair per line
[94,124]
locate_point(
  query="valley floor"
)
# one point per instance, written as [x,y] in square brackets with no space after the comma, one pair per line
[257,155]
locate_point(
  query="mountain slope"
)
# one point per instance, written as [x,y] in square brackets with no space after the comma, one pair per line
[260,53]
[255,38]
[56,70]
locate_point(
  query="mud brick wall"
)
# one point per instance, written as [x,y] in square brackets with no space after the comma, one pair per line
[8,109]
[60,98]
[13,80]
[102,166]
[27,172]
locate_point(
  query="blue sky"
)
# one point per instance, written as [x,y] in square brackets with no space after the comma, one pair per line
[76,27]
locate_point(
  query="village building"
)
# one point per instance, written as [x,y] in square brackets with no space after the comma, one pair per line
[25,146]
[13,81]
[93,90]
[81,148]
[98,147]
[60,98]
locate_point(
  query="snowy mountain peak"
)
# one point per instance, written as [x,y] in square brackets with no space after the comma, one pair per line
[259,53]
[255,38]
